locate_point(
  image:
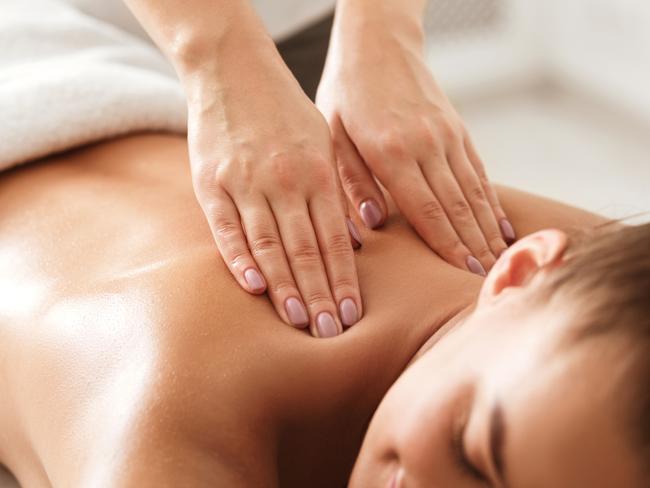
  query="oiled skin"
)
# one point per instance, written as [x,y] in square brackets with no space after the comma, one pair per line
[130,357]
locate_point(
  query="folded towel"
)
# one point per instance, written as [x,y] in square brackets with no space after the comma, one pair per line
[68,79]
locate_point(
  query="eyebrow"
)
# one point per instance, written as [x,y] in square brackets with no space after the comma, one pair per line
[497,440]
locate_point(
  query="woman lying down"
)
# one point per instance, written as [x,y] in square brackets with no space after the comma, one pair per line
[130,356]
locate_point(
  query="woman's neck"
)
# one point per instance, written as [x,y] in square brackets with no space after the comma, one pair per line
[324,445]
[454,321]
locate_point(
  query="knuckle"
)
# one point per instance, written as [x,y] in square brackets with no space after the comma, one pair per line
[227,173]
[304,252]
[202,172]
[425,134]
[393,144]
[477,194]
[279,286]
[265,243]
[449,130]
[338,245]
[460,209]
[284,169]
[213,210]
[322,163]
[484,253]
[315,297]
[497,244]
[433,211]
[344,283]
[238,257]
[324,179]
[226,228]
[354,181]
[488,262]
[223,169]
[452,249]
[233,168]
[482,176]
[498,211]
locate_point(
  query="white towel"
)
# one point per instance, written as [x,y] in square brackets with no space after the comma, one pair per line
[282,18]
[68,79]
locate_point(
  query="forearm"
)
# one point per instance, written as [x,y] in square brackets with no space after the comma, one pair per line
[203,34]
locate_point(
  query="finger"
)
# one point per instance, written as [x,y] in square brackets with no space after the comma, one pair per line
[357,180]
[445,187]
[505,226]
[266,247]
[226,228]
[355,235]
[307,266]
[423,210]
[338,256]
[471,186]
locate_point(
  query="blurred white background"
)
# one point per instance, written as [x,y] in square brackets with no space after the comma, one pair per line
[556,94]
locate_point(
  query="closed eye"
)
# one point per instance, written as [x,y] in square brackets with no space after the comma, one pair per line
[460,455]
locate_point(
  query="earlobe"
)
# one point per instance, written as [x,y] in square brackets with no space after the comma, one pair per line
[519,264]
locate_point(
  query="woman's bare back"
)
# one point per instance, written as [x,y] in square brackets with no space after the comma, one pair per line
[128,355]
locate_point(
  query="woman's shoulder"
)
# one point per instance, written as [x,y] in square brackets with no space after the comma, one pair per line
[530,213]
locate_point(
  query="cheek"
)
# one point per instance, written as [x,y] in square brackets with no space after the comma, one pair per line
[413,427]
[425,408]
[423,438]
[418,422]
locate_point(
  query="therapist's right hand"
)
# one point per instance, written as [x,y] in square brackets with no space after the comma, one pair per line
[264,174]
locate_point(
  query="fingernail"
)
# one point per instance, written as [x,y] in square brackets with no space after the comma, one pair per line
[254,280]
[475,266]
[296,312]
[326,325]
[370,213]
[508,231]
[349,312]
[354,232]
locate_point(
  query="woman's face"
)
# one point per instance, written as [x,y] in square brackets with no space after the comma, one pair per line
[504,399]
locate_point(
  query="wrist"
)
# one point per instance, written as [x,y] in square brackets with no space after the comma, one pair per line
[373,20]
[193,53]
[233,69]
[234,76]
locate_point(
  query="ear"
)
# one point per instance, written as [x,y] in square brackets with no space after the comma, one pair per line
[521,262]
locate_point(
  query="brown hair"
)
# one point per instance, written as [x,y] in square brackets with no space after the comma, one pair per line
[608,274]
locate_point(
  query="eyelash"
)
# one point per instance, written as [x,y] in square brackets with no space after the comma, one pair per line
[461,458]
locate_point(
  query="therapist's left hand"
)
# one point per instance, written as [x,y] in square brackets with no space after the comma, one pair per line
[390,120]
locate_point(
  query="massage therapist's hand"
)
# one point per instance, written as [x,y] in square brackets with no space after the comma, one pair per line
[262,162]
[390,120]
[264,174]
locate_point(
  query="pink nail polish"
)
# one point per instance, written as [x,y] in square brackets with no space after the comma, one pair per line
[349,312]
[296,312]
[326,325]
[254,280]
[508,231]
[370,213]
[354,232]
[475,266]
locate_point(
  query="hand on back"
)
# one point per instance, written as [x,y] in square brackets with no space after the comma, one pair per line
[264,173]
[392,123]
